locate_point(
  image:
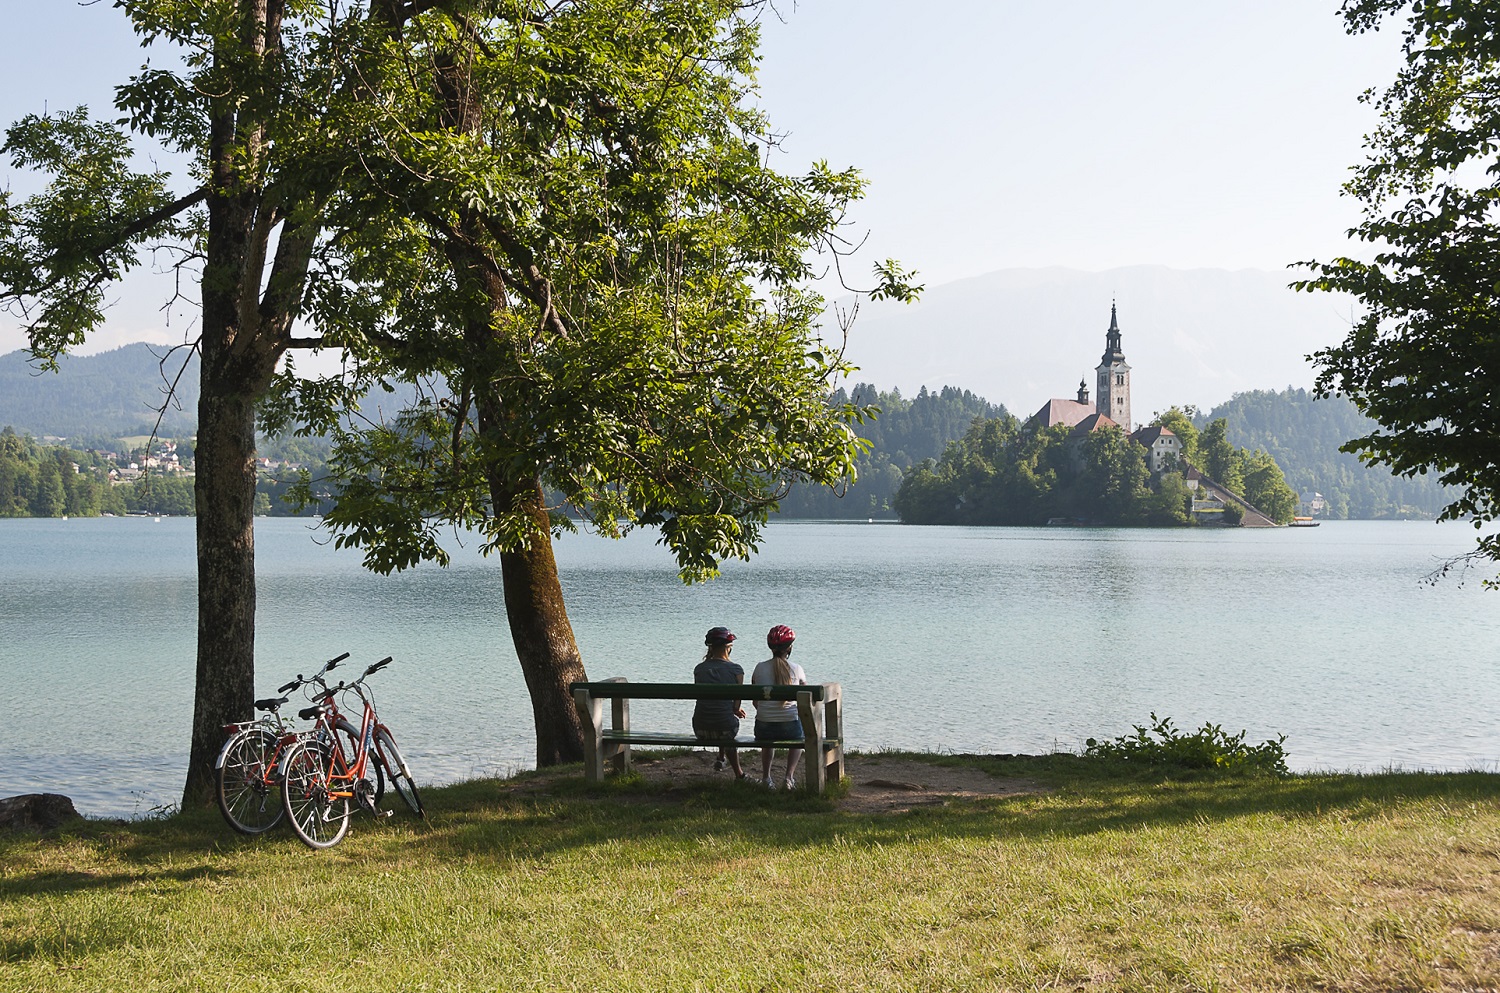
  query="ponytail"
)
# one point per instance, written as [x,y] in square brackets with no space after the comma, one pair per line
[781,670]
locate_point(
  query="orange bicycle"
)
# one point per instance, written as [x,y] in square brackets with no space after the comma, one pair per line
[247,770]
[321,774]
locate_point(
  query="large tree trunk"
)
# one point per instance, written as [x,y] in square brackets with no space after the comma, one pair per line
[238,358]
[542,634]
[224,489]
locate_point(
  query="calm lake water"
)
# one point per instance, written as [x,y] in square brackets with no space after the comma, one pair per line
[945,639]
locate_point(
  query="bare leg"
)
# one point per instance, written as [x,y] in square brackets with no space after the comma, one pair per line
[765,763]
[733,755]
[793,755]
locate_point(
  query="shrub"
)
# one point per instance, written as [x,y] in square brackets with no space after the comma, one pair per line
[1164,747]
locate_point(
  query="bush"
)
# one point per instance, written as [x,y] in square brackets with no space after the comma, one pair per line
[1164,747]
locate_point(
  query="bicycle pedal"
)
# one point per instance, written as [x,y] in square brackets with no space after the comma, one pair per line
[384,813]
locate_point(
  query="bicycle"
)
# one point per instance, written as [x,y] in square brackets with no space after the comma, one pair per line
[319,779]
[247,770]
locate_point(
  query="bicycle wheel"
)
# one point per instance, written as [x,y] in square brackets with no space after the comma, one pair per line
[374,774]
[396,769]
[248,785]
[319,819]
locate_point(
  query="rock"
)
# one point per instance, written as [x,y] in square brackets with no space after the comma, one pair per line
[36,812]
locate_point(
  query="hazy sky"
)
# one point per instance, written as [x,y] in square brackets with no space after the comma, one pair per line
[995,134]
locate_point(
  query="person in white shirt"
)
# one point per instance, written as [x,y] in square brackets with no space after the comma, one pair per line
[777,720]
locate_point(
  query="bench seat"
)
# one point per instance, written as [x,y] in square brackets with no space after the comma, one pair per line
[693,741]
[819,706]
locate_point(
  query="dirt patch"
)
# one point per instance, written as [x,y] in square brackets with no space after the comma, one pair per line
[877,784]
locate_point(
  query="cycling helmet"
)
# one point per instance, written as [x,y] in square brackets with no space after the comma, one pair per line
[718,636]
[780,635]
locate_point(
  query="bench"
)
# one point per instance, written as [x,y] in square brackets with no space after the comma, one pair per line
[820,706]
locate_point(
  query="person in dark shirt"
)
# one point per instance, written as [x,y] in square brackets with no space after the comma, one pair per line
[719,720]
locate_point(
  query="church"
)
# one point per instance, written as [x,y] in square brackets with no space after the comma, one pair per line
[1163,447]
[1112,380]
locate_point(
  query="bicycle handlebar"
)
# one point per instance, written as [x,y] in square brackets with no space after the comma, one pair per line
[379,665]
[327,666]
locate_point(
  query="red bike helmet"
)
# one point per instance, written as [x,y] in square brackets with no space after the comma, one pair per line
[718,636]
[780,635]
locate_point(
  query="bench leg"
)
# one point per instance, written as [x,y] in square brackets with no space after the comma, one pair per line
[833,710]
[591,717]
[620,714]
[812,727]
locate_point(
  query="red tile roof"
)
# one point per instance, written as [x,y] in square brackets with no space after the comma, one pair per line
[1056,412]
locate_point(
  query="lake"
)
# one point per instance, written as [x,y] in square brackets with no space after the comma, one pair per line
[945,639]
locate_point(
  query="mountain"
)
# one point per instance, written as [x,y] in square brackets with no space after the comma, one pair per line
[1303,435]
[108,395]
[1023,336]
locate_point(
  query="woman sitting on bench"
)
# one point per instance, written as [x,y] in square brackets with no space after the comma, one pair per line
[719,720]
[777,720]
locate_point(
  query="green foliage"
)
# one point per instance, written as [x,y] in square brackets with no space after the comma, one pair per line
[1162,747]
[901,433]
[1220,459]
[60,250]
[998,473]
[1303,433]
[572,240]
[45,481]
[1420,358]
[159,495]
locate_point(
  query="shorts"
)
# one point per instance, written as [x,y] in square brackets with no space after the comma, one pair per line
[716,732]
[778,730]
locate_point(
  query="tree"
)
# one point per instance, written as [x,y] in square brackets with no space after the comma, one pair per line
[1220,460]
[564,230]
[1266,489]
[1420,360]
[1112,484]
[1171,503]
[255,106]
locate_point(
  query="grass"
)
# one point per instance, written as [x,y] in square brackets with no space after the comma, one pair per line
[1112,881]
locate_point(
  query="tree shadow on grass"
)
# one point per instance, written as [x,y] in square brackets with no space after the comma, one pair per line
[541,814]
[483,819]
[59,883]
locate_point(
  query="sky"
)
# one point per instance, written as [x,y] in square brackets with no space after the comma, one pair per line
[994,134]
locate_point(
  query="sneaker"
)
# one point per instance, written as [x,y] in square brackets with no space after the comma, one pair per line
[719,764]
[770,783]
[791,784]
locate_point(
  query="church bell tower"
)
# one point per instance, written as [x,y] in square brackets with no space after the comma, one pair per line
[1114,377]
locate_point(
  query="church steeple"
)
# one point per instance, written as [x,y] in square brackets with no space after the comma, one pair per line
[1112,350]
[1114,376]
[1083,391]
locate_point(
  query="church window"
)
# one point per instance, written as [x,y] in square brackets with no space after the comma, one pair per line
[1119,379]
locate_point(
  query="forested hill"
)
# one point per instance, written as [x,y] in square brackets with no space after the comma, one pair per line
[904,433]
[1303,435]
[109,395]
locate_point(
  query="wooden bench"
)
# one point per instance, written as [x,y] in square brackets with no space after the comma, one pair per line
[823,725]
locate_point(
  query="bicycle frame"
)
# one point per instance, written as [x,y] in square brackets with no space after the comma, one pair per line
[273,722]
[345,772]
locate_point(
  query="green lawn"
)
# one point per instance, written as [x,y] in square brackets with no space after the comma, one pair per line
[1387,882]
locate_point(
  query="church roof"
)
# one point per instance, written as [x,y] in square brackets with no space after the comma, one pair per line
[1055,412]
[1093,423]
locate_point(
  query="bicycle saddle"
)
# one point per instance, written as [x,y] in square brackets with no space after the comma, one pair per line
[270,703]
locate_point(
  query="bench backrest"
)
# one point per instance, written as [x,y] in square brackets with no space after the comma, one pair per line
[697,691]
